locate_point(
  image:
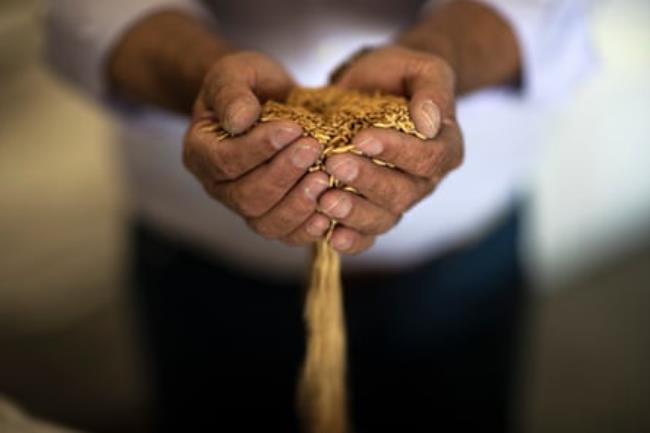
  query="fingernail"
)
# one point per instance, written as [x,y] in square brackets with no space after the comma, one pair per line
[339,208]
[342,243]
[304,156]
[233,119]
[345,170]
[317,227]
[316,188]
[370,146]
[285,135]
[432,119]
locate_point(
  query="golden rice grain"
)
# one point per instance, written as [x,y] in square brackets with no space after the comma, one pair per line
[333,116]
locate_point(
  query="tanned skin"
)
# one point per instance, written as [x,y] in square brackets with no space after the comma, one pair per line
[175,61]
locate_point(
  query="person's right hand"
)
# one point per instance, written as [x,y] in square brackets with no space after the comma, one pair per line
[261,172]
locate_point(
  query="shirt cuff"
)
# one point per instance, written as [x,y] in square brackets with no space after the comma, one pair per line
[81,34]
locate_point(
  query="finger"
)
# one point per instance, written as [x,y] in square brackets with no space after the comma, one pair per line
[235,106]
[257,192]
[374,71]
[386,187]
[233,157]
[430,85]
[356,212]
[310,231]
[237,83]
[337,74]
[427,80]
[294,209]
[348,241]
[423,158]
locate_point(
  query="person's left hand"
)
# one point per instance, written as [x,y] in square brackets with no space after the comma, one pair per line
[427,81]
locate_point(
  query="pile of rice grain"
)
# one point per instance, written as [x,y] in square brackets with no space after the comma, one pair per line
[333,116]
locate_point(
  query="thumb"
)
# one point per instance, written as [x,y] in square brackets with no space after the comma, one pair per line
[235,106]
[239,83]
[431,99]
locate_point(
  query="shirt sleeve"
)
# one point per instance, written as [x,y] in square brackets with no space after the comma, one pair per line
[81,33]
[555,42]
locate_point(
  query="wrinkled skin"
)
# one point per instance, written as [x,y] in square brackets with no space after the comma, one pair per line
[262,174]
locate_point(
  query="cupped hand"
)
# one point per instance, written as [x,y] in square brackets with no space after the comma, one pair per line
[427,81]
[261,172]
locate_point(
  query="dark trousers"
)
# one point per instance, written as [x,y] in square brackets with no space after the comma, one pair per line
[431,349]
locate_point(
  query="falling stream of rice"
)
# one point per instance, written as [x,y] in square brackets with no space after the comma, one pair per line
[333,116]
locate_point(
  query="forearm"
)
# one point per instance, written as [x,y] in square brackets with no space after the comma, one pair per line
[162,60]
[478,44]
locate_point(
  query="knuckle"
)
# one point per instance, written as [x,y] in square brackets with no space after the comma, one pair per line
[429,162]
[388,192]
[448,161]
[329,199]
[401,200]
[251,208]
[262,137]
[303,206]
[259,141]
[223,165]
[425,65]
[298,238]
[424,165]
[244,202]
[280,225]
[228,171]
[316,179]
[264,228]
[284,222]
[428,65]
[385,224]
[435,65]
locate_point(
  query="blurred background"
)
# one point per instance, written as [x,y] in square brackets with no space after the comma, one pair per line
[68,350]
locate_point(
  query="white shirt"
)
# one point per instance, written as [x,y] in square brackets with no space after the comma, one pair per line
[311,37]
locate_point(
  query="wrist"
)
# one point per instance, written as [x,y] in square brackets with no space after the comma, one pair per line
[478,44]
[191,57]
[163,58]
